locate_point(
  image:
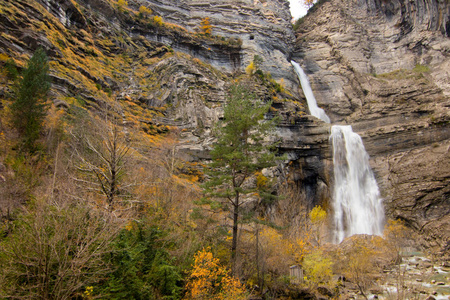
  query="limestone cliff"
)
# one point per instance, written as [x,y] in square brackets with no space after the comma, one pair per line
[383,67]
[263,26]
[380,66]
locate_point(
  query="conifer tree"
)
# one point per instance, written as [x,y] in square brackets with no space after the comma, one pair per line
[240,152]
[29,107]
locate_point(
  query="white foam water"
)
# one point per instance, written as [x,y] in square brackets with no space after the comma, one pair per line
[314,109]
[357,204]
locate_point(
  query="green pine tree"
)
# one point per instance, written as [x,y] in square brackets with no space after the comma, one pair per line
[240,151]
[29,107]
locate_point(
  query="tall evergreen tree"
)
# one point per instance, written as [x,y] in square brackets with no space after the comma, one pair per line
[240,151]
[29,107]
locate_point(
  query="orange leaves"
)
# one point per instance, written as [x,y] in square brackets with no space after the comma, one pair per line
[205,26]
[300,246]
[209,280]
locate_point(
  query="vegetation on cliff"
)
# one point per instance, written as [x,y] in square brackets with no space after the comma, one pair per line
[109,206]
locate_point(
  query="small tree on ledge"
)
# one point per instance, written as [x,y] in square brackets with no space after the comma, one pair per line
[240,152]
[205,26]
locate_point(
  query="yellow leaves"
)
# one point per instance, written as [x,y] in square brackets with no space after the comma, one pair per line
[209,280]
[250,69]
[145,11]
[318,268]
[158,20]
[122,3]
[261,180]
[300,247]
[88,292]
[317,215]
[4,57]
[129,226]
[282,84]
[395,234]
[394,229]
[53,120]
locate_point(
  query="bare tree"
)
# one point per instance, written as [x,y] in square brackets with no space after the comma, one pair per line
[101,159]
[55,252]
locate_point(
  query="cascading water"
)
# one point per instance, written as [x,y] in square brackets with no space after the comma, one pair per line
[358,207]
[315,110]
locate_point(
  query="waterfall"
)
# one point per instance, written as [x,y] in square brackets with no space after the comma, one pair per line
[315,110]
[358,207]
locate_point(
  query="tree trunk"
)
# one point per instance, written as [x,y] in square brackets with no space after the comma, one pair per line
[235,233]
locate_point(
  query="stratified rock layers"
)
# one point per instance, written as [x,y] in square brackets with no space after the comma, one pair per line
[383,67]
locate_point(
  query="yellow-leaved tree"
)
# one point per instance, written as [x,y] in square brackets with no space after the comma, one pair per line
[122,4]
[317,216]
[318,269]
[209,280]
[145,11]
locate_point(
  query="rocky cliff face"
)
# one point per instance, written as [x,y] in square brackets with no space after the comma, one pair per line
[263,27]
[384,68]
[380,66]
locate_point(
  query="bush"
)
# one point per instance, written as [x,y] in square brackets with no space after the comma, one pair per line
[209,280]
[142,270]
[54,252]
[318,268]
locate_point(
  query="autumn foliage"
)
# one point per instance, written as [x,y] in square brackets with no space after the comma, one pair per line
[205,26]
[209,280]
[145,11]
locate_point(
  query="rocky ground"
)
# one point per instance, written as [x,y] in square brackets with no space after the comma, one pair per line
[416,277]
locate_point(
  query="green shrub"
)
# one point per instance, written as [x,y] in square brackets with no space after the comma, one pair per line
[421,68]
[142,269]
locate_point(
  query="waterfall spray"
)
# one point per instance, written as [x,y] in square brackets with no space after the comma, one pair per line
[358,207]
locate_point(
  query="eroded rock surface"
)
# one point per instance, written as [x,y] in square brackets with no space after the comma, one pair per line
[383,67]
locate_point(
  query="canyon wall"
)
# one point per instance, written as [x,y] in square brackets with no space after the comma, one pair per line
[384,68]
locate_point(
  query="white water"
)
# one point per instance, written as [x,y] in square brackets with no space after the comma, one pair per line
[315,110]
[358,207]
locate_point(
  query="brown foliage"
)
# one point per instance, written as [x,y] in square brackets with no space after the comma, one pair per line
[54,251]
